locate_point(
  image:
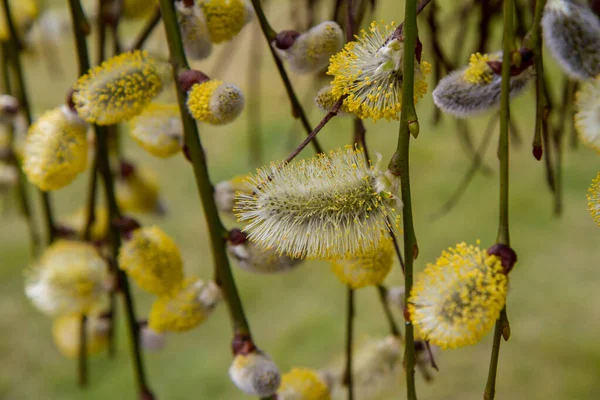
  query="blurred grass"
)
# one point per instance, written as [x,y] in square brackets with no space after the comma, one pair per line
[298,317]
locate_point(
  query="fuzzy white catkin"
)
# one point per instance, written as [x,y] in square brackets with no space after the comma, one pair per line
[255,374]
[312,49]
[571,31]
[254,259]
[152,340]
[461,98]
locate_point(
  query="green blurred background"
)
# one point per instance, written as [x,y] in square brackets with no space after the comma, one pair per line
[298,317]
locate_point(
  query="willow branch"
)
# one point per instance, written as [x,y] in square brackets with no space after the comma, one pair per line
[82,364]
[103,165]
[503,155]
[147,30]
[25,105]
[399,166]
[297,110]
[422,4]
[217,231]
[348,378]
[254,133]
[394,330]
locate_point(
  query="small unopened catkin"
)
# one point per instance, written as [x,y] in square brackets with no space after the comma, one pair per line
[225,192]
[252,258]
[571,31]
[255,374]
[587,113]
[56,149]
[215,102]
[312,50]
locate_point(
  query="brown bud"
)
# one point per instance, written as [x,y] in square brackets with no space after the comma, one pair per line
[126,169]
[126,225]
[406,314]
[145,394]
[538,151]
[64,231]
[189,78]
[508,257]
[286,39]
[242,344]
[236,237]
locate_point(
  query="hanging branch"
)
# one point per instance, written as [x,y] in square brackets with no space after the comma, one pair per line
[147,30]
[502,327]
[297,110]
[254,132]
[347,378]
[399,166]
[80,28]
[15,57]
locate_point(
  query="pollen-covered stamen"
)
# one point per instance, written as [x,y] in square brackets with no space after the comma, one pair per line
[158,130]
[369,71]
[326,207]
[478,71]
[56,149]
[311,50]
[119,89]
[185,308]
[587,114]
[194,29]
[255,374]
[456,301]
[326,100]
[572,33]
[215,102]
[593,198]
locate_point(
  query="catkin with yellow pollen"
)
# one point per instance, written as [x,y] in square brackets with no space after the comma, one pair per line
[185,308]
[326,100]
[302,384]
[119,89]
[225,18]
[99,228]
[215,102]
[593,198]
[56,149]
[587,113]
[158,130]
[66,334]
[153,260]
[331,206]
[457,300]
[476,88]
[367,268]
[312,50]
[23,13]
[369,72]
[69,277]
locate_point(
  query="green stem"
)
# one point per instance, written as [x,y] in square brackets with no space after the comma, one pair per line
[25,105]
[82,365]
[382,290]
[217,231]
[399,165]
[348,376]
[103,166]
[297,110]
[503,155]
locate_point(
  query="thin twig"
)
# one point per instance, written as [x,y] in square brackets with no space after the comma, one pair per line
[147,30]
[503,155]
[422,4]
[348,378]
[82,364]
[394,330]
[254,133]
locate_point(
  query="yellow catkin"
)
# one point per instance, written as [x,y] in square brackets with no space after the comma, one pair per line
[369,72]
[593,198]
[100,226]
[215,102]
[66,335]
[457,300]
[139,192]
[23,12]
[224,18]
[56,149]
[186,308]
[158,130]
[587,114]
[302,384]
[325,100]
[153,260]
[119,89]
[366,268]
[134,9]
[70,276]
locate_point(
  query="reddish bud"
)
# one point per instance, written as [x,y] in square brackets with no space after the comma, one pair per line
[126,225]
[538,151]
[189,78]
[126,169]
[64,232]
[286,39]
[242,344]
[146,394]
[507,255]
[406,314]
[236,237]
